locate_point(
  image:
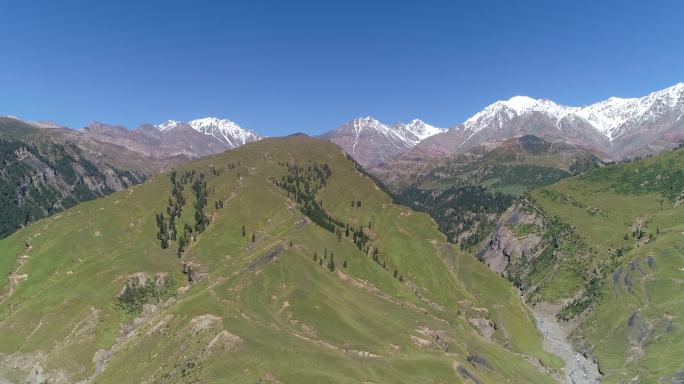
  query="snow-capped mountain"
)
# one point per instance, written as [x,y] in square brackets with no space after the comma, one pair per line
[192,139]
[370,142]
[619,127]
[225,131]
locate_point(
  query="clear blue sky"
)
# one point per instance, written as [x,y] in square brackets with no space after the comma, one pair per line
[285,66]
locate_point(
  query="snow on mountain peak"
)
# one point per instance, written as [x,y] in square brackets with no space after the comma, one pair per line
[500,112]
[422,130]
[227,132]
[520,103]
[607,116]
[398,135]
[168,124]
[409,134]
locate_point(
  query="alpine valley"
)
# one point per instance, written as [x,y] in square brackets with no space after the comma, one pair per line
[533,243]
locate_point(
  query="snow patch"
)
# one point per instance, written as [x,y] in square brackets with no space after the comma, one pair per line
[400,135]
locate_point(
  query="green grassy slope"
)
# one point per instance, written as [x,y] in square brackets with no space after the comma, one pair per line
[259,308]
[466,194]
[632,219]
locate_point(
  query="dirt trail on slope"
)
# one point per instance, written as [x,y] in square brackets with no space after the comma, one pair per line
[578,369]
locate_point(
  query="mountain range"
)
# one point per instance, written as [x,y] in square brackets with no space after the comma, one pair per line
[192,139]
[371,142]
[618,127]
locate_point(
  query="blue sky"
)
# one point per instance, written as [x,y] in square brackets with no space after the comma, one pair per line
[308,66]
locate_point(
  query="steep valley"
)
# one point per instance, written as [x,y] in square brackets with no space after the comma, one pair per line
[604,248]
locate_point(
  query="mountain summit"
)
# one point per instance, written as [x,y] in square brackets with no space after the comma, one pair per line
[370,142]
[227,132]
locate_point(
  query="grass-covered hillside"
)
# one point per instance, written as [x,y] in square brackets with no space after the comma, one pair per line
[612,255]
[466,194]
[279,262]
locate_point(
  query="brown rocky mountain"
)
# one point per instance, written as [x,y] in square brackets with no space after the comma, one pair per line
[371,142]
[194,139]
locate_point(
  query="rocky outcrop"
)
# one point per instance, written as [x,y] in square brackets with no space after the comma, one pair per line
[514,240]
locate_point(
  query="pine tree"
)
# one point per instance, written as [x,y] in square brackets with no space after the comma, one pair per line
[243,230]
[253,238]
[344,265]
[331,263]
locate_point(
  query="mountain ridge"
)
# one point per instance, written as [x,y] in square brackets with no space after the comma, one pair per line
[620,127]
[192,139]
[369,141]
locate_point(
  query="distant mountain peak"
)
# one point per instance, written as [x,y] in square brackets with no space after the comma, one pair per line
[229,133]
[370,141]
[607,117]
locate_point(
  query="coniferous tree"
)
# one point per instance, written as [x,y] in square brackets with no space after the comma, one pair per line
[331,263]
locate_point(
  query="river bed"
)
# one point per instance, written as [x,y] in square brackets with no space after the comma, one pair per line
[578,369]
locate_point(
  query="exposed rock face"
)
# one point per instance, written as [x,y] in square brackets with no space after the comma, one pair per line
[47,170]
[504,246]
